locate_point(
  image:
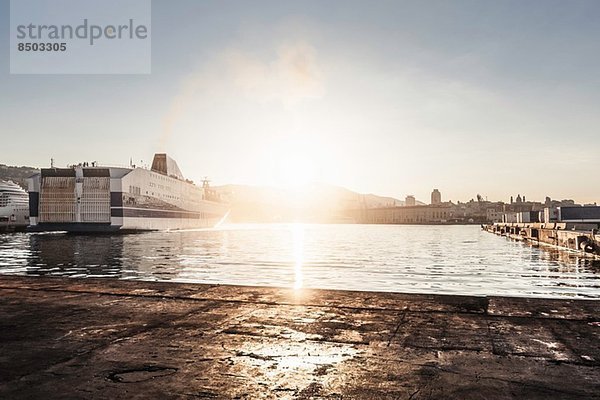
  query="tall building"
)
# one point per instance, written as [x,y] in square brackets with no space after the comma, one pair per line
[436,197]
[410,201]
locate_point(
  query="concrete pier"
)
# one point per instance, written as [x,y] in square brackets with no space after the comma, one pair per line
[109,339]
[582,238]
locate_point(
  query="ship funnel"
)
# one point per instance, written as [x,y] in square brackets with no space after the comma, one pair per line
[165,165]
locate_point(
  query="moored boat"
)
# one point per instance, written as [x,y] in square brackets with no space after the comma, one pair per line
[14,207]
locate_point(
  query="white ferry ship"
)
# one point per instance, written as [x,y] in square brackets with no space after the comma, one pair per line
[14,207]
[91,198]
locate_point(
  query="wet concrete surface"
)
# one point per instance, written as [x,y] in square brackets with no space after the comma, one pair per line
[109,339]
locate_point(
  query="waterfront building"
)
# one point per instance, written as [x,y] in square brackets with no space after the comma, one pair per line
[407,215]
[493,215]
[524,217]
[510,217]
[562,214]
[550,214]
[583,214]
[410,201]
[436,197]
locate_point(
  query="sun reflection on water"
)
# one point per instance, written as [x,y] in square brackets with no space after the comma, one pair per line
[298,253]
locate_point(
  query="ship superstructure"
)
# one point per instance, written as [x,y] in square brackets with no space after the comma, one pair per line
[92,198]
[14,206]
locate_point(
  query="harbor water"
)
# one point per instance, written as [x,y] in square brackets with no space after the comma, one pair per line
[395,258]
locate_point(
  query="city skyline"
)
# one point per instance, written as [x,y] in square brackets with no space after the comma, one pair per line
[393,99]
[436,197]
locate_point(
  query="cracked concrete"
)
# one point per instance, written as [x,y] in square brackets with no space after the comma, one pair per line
[108,339]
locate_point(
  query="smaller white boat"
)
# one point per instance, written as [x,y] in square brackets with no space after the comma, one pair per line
[14,207]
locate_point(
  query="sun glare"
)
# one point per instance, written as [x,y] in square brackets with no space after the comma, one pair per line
[298,248]
[295,171]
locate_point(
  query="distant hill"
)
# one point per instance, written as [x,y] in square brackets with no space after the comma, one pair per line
[17,174]
[314,203]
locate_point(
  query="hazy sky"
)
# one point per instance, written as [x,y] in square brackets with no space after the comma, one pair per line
[390,97]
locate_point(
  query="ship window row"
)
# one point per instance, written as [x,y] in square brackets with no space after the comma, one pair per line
[13,192]
[162,177]
[167,196]
[95,194]
[163,187]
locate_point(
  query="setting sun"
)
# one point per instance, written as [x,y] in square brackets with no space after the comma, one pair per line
[295,171]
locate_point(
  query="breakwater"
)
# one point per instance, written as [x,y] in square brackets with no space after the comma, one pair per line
[584,238]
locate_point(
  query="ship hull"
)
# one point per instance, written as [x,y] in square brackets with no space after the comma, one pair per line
[127,225]
[110,200]
[13,219]
[74,227]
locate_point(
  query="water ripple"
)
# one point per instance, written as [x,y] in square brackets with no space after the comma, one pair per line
[429,259]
